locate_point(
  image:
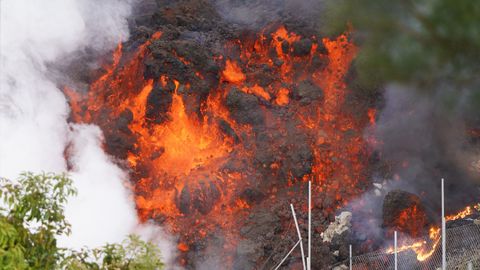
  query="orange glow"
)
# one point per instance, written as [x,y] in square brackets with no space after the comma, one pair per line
[412,221]
[282,97]
[187,143]
[74,99]
[258,91]
[184,167]
[233,73]
[371,116]
[283,35]
[466,212]
[242,204]
[425,249]
[183,247]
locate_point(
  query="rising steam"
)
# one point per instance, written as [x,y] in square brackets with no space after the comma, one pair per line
[34,131]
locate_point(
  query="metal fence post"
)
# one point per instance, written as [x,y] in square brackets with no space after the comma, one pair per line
[395,248]
[350,252]
[444,240]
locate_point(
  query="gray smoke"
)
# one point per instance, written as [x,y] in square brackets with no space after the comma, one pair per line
[424,140]
[257,14]
[421,141]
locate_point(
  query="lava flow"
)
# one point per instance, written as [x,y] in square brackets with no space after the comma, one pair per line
[203,152]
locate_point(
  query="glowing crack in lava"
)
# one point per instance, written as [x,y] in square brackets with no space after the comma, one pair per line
[191,170]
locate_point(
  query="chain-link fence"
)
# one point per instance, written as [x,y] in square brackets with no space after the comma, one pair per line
[463,246]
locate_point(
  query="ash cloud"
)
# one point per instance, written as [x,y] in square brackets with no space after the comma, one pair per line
[34,132]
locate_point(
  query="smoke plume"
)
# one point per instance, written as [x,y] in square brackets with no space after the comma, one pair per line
[424,141]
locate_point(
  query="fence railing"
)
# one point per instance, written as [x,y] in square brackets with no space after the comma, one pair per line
[462,247]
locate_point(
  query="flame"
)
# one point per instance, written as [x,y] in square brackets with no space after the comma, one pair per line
[282,98]
[258,91]
[233,73]
[424,249]
[462,214]
[183,247]
[186,142]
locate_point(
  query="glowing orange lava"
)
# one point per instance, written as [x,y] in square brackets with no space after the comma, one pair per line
[181,163]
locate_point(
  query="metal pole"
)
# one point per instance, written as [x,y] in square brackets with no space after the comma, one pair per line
[299,236]
[350,252]
[395,249]
[288,254]
[470,266]
[309,261]
[444,242]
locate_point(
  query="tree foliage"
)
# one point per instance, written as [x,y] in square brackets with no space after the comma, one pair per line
[430,44]
[132,254]
[32,216]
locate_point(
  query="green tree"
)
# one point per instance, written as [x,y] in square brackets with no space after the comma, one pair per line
[430,45]
[32,216]
[132,254]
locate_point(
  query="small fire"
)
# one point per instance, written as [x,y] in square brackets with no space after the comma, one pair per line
[425,248]
[462,214]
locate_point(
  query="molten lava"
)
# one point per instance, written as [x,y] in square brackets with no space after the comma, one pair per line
[190,170]
[411,220]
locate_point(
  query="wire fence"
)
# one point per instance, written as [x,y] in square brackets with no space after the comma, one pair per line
[463,246]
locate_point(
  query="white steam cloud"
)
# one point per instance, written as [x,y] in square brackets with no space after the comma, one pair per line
[34,131]
[99,184]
